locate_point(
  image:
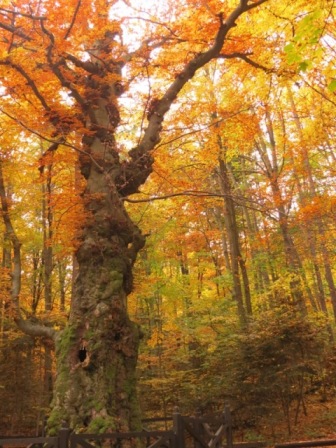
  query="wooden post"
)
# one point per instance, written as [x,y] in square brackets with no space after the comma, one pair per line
[63,436]
[178,428]
[228,423]
[44,426]
[198,427]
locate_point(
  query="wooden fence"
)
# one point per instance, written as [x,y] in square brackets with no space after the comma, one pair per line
[185,432]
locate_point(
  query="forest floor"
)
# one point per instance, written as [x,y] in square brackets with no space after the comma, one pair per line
[318,423]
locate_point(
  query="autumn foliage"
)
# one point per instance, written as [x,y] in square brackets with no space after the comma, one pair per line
[207,130]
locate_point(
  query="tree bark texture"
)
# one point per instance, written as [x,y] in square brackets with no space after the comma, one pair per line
[97,352]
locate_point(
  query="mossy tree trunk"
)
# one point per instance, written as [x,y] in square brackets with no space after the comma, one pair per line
[97,352]
[98,392]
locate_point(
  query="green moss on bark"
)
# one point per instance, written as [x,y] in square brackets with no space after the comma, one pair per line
[65,341]
[100,425]
[55,422]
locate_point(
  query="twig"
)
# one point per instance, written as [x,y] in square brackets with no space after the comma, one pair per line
[73,19]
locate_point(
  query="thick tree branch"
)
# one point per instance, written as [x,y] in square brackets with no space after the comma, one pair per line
[146,48]
[55,67]
[35,329]
[137,170]
[85,65]
[65,83]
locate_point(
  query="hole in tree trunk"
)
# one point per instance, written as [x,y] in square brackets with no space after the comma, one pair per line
[82,354]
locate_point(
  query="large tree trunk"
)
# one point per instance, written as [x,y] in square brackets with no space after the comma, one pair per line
[100,388]
[97,352]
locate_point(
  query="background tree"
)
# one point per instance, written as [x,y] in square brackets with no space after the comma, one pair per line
[183,171]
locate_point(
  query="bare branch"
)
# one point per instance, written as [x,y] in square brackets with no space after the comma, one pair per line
[173,195]
[210,125]
[245,57]
[22,14]
[164,25]
[15,31]
[319,92]
[73,19]
[202,194]
[255,4]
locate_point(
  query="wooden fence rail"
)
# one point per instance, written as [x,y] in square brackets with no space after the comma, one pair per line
[307,444]
[48,442]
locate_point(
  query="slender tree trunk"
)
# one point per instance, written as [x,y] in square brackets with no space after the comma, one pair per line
[47,266]
[292,257]
[237,265]
[329,278]
[260,265]
[5,283]
[242,264]
[219,219]
[306,190]
[232,232]
[47,255]
[61,271]
[246,284]
[2,319]
[312,192]
[213,254]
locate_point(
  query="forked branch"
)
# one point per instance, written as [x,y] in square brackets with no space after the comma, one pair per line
[137,170]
